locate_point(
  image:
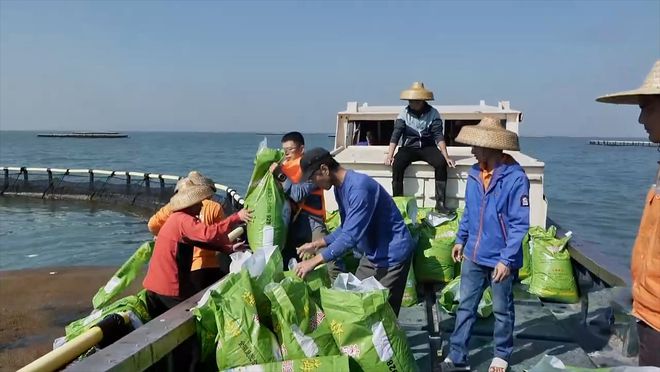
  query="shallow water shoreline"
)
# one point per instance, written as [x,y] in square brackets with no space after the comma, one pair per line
[36,305]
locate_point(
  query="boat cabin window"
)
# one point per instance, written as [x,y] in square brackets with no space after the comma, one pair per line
[372,132]
[379,132]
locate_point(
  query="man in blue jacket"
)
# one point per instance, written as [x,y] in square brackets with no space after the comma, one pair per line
[489,239]
[370,222]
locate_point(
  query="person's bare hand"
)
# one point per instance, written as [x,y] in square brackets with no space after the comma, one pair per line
[307,249]
[451,163]
[304,267]
[245,215]
[272,167]
[389,159]
[457,253]
[240,246]
[500,272]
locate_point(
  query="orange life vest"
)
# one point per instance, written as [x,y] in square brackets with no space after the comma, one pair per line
[645,261]
[292,170]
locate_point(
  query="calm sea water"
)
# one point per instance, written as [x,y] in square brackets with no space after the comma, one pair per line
[595,191]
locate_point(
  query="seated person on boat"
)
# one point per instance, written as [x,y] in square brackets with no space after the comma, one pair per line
[370,222]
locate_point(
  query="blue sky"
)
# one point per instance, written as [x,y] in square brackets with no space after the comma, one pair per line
[276,66]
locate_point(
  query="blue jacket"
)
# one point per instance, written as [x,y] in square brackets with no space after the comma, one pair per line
[370,222]
[495,222]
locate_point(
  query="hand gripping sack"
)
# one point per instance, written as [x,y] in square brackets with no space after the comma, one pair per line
[299,322]
[364,326]
[338,363]
[265,197]
[552,270]
[124,276]
[432,261]
[315,279]
[242,339]
[450,296]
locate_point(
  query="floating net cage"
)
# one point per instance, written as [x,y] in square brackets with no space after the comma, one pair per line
[136,191]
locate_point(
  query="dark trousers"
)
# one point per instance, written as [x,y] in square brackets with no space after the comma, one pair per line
[429,154]
[186,356]
[392,278]
[202,278]
[649,345]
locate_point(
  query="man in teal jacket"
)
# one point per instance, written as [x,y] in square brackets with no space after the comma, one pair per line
[489,239]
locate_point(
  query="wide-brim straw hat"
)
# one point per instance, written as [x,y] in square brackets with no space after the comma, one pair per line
[180,184]
[417,92]
[489,133]
[199,179]
[189,195]
[650,87]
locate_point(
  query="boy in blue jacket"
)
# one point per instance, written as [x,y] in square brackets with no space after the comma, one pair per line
[489,239]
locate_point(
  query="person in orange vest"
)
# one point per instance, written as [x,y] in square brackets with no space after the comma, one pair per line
[308,217]
[645,260]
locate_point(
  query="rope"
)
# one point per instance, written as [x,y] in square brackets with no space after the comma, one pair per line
[51,186]
[102,186]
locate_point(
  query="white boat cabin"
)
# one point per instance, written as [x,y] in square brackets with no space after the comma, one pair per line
[353,152]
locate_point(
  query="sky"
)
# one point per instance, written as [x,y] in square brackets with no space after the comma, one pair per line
[276,66]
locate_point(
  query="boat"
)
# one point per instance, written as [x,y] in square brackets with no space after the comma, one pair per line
[84,135]
[596,332]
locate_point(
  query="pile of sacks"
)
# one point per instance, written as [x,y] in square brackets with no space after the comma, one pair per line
[262,318]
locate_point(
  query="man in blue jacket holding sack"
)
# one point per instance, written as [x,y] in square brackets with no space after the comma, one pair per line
[370,222]
[489,239]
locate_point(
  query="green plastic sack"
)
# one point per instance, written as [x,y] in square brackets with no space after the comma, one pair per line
[407,205]
[364,326]
[450,296]
[410,292]
[332,220]
[526,269]
[315,279]
[242,339]
[135,305]
[337,363]
[204,313]
[124,276]
[266,199]
[264,267]
[432,261]
[552,271]
[299,322]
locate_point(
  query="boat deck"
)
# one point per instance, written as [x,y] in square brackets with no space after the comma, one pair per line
[578,338]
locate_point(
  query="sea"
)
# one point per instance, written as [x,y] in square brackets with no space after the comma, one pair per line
[597,192]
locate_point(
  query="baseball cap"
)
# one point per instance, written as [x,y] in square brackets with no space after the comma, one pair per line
[311,161]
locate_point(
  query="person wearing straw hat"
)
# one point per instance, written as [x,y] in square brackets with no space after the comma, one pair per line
[645,260]
[168,278]
[419,128]
[205,269]
[489,239]
[370,223]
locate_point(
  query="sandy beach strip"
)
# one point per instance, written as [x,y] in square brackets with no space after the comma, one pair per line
[36,305]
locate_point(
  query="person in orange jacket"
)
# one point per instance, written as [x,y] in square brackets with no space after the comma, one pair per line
[645,260]
[205,269]
[308,219]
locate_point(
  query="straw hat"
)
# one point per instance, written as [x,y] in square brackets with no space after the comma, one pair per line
[189,195]
[417,92]
[650,86]
[180,184]
[200,180]
[489,133]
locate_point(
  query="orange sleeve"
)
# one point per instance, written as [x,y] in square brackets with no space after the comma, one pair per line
[158,220]
[211,212]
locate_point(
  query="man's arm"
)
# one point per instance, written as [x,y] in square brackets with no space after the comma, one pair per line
[158,220]
[298,191]
[213,237]
[399,129]
[361,208]
[516,221]
[464,226]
